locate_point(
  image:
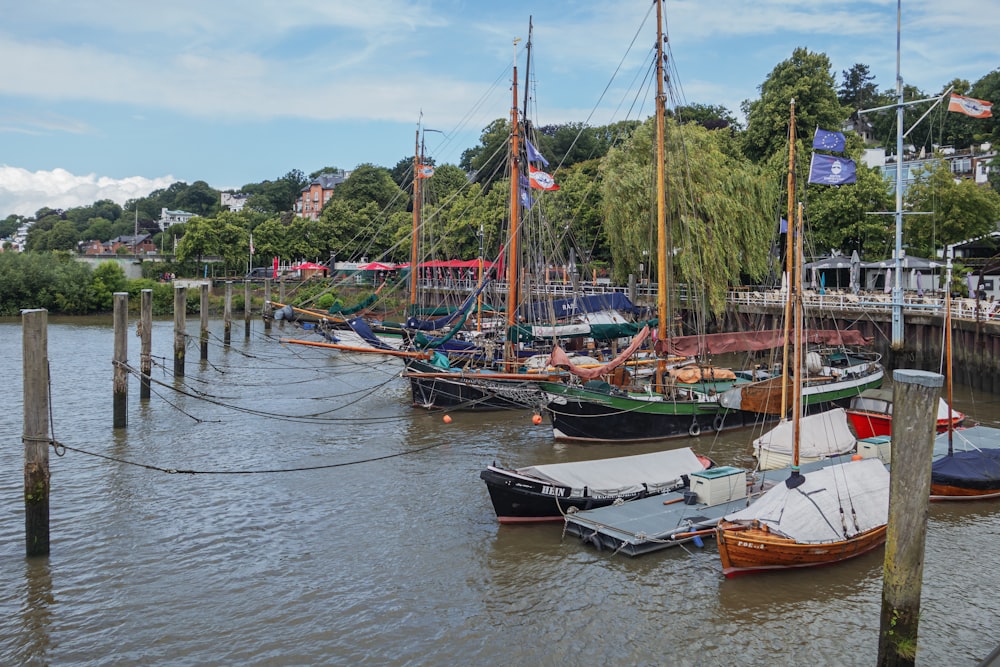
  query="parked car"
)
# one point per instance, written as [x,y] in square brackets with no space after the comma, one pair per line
[260,272]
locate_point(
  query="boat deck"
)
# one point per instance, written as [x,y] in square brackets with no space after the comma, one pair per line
[648,524]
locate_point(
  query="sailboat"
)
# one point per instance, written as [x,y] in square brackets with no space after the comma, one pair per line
[678,401]
[970,468]
[497,383]
[823,517]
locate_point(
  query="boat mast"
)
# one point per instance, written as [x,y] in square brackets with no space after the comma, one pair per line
[789,256]
[414,270]
[796,478]
[947,348]
[661,204]
[897,288]
[512,264]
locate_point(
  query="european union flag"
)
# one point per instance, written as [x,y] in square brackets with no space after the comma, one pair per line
[826,140]
[831,170]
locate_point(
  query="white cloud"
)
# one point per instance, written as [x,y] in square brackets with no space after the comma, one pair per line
[23,192]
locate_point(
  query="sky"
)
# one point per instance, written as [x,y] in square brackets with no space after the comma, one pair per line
[111,99]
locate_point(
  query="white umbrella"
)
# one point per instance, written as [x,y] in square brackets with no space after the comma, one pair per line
[888,281]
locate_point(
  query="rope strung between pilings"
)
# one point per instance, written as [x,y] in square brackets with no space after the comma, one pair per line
[61,448]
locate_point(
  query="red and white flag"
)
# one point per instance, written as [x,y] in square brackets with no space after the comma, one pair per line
[970,106]
[540,180]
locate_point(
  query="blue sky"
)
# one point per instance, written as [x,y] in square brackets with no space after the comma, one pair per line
[112,99]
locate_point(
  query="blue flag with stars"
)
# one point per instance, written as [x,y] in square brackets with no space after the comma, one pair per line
[826,140]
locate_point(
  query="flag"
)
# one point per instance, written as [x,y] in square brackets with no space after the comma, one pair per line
[971,106]
[783,227]
[425,171]
[534,155]
[526,199]
[251,243]
[831,170]
[827,140]
[541,180]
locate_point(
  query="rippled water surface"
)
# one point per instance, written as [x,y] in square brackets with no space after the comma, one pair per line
[342,526]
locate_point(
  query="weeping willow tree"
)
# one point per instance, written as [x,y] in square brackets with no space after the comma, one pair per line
[721,209]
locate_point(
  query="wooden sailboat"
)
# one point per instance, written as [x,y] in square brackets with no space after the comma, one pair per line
[673,405]
[970,468]
[496,384]
[831,514]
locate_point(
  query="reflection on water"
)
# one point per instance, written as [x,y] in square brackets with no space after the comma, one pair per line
[394,556]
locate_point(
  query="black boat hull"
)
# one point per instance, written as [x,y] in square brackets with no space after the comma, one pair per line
[518,500]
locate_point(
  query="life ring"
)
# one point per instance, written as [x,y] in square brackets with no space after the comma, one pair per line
[717,423]
[695,430]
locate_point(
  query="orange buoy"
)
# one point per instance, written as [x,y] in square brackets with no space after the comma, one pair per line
[536,419]
[857,457]
[446,419]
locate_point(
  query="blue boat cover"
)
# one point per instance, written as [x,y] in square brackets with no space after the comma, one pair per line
[440,323]
[594,303]
[972,469]
[360,327]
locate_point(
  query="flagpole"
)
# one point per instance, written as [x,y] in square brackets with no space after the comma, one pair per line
[897,290]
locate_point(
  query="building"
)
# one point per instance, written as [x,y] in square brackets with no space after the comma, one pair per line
[234,201]
[140,245]
[315,195]
[970,163]
[169,218]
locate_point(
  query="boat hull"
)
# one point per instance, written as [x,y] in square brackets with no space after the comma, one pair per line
[875,424]
[519,500]
[746,550]
[579,414]
[469,390]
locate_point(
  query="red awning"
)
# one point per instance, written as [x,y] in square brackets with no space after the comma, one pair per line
[376,266]
[308,266]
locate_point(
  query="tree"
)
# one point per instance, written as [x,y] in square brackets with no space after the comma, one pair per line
[199,239]
[709,117]
[961,210]
[720,215]
[369,183]
[858,89]
[806,78]
[486,161]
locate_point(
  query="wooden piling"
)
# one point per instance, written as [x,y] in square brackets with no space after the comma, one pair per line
[915,399]
[35,346]
[227,316]
[246,309]
[203,311]
[180,320]
[120,382]
[268,313]
[145,343]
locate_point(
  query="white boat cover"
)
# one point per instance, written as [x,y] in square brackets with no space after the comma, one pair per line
[821,435]
[659,471]
[811,513]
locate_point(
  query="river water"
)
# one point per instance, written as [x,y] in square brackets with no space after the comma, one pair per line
[372,540]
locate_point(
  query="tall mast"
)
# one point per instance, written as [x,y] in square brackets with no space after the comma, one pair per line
[512,264]
[795,290]
[661,204]
[414,270]
[897,287]
[789,256]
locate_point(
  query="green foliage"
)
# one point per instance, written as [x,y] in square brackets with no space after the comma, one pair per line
[720,215]
[369,183]
[44,280]
[106,279]
[163,295]
[806,77]
[960,211]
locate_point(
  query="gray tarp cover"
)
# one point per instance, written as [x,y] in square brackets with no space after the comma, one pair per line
[811,513]
[820,435]
[659,471]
